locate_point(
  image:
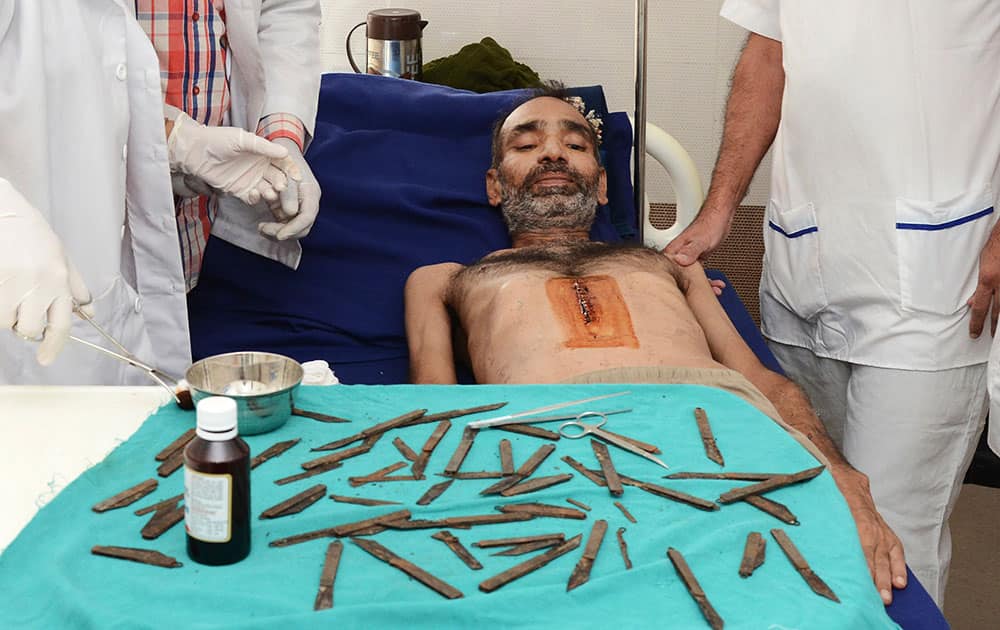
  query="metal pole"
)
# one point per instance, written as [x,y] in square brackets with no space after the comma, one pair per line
[639,146]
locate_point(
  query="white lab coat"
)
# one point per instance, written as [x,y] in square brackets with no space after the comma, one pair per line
[886,171]
[83,141]
[274,67]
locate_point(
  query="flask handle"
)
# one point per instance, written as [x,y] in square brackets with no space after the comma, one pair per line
[350,58]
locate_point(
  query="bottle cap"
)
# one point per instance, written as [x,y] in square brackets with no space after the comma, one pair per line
[216,418]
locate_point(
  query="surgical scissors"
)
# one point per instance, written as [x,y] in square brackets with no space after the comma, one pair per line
[596,431]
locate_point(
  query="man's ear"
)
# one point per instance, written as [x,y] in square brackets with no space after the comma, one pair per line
[493,187]
[602,187]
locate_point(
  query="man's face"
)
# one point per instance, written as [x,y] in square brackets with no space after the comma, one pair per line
[548,175]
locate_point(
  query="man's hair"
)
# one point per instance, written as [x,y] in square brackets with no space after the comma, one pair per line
[551,89]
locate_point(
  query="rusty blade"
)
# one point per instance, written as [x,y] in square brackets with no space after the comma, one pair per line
[162,520]
[347,529]
[674,495]
[315,415]
[524,429]
[464,445]
[375,429]
[780,481]
[735,476]
[753,554]
[272,452]
[608,469]
[361,500]
[428,448]
[543,509]
[625,512]
[171,464]
[456,413]
[799,562]
[295,504]
[175,446]
[506,458]
[382,553]
[581,573]
[526,567]
[312,472]
[556,538]
[145,556]
[582,506]
[697,594]
[159,505]
[623,547]
[707,437]
[775,509]
[324,596]
[434,492]
[404,449]
[378,475]
[127,497]
[583,470]
[533,485]
[458,549]
[520,550]
[526,469]
[339,456]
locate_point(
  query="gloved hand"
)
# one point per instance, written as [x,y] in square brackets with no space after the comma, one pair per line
[189,186]
[230,160]
[298,204]
[38,285]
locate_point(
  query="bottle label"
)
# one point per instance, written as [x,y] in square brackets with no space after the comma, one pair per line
[208,506]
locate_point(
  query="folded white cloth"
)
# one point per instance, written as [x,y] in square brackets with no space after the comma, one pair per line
[318,373]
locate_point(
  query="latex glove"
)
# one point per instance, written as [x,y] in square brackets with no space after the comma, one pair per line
[230,160]
[189,186]
[38,284]
[298,204]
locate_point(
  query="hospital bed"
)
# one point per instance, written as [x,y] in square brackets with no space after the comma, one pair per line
[402,165]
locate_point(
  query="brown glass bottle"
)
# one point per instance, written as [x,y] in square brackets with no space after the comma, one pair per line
[217,487]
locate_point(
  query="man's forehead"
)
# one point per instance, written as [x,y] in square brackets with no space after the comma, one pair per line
[543,110]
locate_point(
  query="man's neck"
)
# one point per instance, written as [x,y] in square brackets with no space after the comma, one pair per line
[549,237]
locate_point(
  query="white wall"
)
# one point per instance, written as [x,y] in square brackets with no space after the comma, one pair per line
[583,42]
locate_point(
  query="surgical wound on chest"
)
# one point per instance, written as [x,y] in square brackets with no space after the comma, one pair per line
[591,312]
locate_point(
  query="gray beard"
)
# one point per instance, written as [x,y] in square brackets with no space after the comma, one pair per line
[559,208]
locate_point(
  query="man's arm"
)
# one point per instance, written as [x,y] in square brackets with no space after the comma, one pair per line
[752,116]
[882,547]
[428,324]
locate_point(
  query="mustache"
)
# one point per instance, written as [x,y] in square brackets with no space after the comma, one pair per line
[542,170]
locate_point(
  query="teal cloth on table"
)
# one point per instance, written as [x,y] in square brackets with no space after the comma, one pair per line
[49,578]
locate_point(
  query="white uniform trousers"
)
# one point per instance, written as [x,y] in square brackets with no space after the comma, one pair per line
[912,432]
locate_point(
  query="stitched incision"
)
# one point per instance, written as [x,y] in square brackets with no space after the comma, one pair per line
[592,312]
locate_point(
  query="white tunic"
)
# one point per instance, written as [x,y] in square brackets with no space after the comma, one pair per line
[83,141]
[886,168]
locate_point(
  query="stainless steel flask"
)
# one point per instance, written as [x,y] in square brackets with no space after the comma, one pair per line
[394,48]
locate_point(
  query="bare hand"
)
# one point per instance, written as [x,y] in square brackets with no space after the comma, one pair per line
[882,548]
[986,299]
[700,239]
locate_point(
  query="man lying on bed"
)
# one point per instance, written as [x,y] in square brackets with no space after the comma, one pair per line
[559,308]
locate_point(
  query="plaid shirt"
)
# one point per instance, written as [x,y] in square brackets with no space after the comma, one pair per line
[190,40]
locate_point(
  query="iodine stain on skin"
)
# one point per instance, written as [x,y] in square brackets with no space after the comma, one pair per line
[592,312]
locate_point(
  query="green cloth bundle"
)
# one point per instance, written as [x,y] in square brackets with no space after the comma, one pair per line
[483,67]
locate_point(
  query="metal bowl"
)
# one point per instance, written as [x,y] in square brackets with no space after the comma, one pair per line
[261,383]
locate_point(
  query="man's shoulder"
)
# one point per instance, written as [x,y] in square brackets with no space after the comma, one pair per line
[428,273]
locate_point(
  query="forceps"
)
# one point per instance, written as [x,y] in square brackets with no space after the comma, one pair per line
[125,355]
[596,431]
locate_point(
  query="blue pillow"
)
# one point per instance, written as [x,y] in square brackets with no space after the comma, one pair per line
[402,167]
